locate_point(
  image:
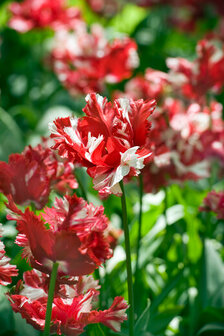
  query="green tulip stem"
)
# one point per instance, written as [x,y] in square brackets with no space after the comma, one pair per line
[139,226]
[50,299]
[128,261]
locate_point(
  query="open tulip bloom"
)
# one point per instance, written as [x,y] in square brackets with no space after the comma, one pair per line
[30,176]
[31,14]
[71,234]
[111,141]
[83,58]
[72,307]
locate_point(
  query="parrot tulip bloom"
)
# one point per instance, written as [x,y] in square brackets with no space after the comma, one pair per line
[205,74]
[152,85]
[111,141]
[25,179]
[31,14]
[184,140]
[71,234]
[29,176]
[60,173]
[72,304]
[83,60]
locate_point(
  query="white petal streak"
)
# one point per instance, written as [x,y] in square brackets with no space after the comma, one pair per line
[129,159]
[92,144]
[72,132]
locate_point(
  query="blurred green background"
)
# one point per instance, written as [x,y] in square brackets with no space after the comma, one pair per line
[181,287]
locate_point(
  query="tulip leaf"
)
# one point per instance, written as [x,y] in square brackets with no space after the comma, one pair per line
[212,277]
[142,322]
[95,329]
[10,136]
[211,328]
[6,313]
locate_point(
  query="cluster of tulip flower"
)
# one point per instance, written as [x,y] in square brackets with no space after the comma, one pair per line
[70,239]
[176,141]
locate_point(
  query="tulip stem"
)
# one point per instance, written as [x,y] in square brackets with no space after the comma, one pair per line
[50,299]
[128,261]
[139,231]
[81,186]
[98,277]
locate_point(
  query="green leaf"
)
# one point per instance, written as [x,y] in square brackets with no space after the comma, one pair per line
[4,14]
[142,322]
[10,136]
[194,245]
[26,112]
[166,290]
[159,322]
[6,313]
[128,19]
[95,329]
[22,327]
[211,289]
[211,327]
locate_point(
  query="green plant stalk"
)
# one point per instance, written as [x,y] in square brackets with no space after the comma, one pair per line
[101,332]
[81,187]
[139,228]
[84,195]
[50,299]
[98,277]
[32,207]
[128,261]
